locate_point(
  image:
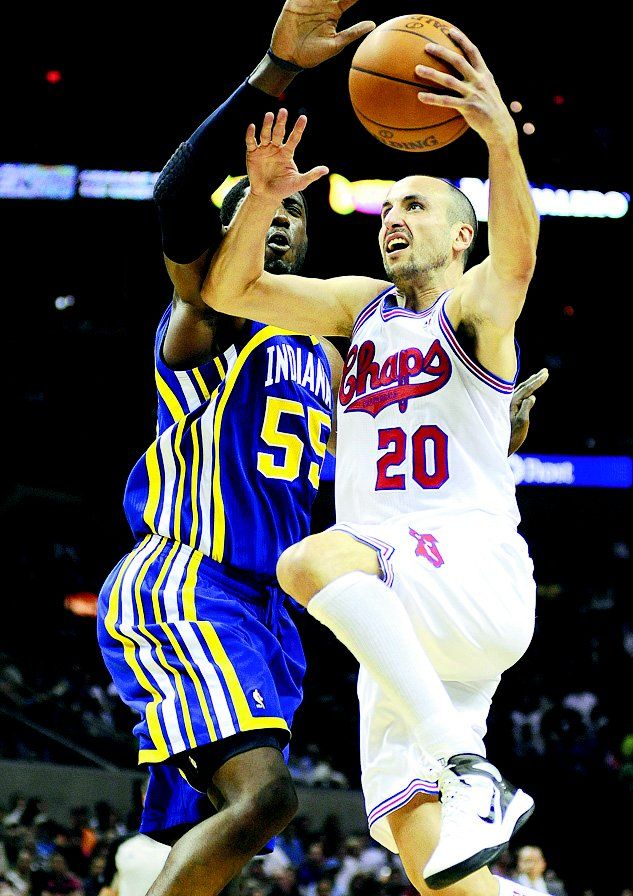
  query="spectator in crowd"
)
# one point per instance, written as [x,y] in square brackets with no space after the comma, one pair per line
[58,880]
[314,867]
[35,812]
[324,887]
[285,883]
[47,838]
[5,887]
[109,826]
[20,875]
[290,842]
[350,865]
[13,818]
[97,878]
[275,862]
[532,871]
[248,886]
[364,884]
[81,840]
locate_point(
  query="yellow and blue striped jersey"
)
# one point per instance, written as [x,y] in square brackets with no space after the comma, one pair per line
[240,442]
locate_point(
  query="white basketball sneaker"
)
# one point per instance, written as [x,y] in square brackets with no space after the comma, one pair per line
[480,813]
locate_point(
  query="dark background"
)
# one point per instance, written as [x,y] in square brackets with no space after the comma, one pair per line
[78,384]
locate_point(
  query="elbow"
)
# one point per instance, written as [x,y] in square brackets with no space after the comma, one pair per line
[223,293]
[521,270]
[213,295]
[175,175]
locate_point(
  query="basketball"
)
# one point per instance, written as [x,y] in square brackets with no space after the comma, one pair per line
[384,88]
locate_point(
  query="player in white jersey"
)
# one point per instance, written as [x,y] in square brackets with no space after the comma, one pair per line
[424,577]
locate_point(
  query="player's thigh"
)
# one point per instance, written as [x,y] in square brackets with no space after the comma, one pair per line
[308,566]
[470,601]
[416,828]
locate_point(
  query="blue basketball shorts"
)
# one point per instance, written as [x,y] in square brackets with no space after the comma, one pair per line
[199,651]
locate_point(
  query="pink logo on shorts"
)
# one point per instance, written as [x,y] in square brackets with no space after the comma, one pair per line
[427,548]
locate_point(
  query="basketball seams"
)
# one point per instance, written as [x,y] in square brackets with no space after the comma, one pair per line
[395,127]
[382,80]
[428,88]
[431,40]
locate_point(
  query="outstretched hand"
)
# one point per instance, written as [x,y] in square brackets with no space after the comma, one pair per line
[270,162]
[306,31]
[523,399]
[477,96]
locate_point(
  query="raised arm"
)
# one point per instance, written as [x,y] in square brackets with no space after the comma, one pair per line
[237,282]
[490,296]
[305,34]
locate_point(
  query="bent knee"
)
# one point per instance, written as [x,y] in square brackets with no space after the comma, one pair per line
[308,566]
[268,809]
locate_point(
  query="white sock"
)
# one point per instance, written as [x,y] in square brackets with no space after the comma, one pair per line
[511,888]
[371,622]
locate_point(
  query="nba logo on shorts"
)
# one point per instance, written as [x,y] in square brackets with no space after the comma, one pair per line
[427,548]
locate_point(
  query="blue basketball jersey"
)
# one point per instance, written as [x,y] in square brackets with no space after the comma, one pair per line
[240,443]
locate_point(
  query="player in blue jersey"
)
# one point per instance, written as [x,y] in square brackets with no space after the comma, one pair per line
[192,625]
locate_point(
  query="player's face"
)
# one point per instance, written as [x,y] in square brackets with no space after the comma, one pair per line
[415,237]
[286,240]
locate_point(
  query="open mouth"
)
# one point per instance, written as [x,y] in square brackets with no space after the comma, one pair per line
[395,242]
[278,242]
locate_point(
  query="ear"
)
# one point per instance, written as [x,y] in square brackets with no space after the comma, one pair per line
[462,236]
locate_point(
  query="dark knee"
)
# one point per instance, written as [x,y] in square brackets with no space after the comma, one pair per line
[277,800]
[265,811]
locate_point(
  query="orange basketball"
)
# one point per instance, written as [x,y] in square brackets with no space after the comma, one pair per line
[384,88]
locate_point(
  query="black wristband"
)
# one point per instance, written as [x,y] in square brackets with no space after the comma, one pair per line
[284,63]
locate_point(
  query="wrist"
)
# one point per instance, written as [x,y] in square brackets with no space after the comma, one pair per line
[284,64]
[273,74]
[504,139]
[261,203]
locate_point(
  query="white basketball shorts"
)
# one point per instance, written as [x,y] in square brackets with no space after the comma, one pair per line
[467,585]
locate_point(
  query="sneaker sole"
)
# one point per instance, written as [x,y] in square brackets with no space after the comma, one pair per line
[483,857]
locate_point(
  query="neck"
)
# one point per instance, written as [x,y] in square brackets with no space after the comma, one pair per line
[423,290]
[418,298]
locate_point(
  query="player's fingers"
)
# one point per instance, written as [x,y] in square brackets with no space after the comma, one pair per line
[297,132]
[524,411]
[440,99]
[313,174]
[354,32]
[279,129]
[472,52]
[251,142]
[452,58]
[532,383]
[540,377]
[265,135]
[441,78]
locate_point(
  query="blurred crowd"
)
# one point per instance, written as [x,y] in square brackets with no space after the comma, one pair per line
[99,853]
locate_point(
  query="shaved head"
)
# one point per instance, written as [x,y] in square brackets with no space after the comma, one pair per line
[459,208]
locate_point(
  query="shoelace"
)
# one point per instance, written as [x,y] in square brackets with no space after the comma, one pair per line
[455,802]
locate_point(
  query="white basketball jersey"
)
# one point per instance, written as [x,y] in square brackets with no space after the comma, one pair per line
[421,425]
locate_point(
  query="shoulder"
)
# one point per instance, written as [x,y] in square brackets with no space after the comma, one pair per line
[356,293]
